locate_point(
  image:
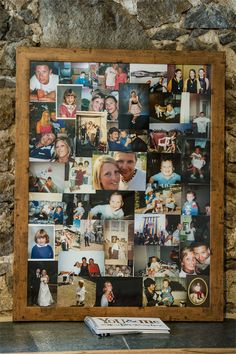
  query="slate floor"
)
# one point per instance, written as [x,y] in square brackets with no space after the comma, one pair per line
[74,336]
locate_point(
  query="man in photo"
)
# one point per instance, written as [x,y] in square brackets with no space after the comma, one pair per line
[150,292]
[43,83]
[202,254]
[42,148]
[132,178]
[114,143]
[35,284]
[201,121]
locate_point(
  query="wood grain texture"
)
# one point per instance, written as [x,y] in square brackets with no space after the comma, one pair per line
[152,351]
[217,61]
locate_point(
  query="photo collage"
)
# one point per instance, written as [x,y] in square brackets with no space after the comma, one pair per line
[119,185]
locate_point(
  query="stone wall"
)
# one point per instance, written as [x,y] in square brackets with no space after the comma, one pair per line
[131,24]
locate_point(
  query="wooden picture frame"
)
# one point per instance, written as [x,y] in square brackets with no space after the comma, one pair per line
[213,311]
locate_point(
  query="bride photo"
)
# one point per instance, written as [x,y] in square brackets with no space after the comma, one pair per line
[42,289]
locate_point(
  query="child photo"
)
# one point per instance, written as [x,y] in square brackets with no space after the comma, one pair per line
[195,198]
[111,75]
[46,177]
[134,106]
[163,169]
[155,75]
[77,208]
[174,229]
[85,74]
[44,209]
[169,291]
[165,108]
[196,160]
[68,101]
[194,229]
[198,291]
[41,242]
[91,133]
[118,291]
[119,270]
[78,178]
[118,241]
[66,238]
[42,283]
[196,109]
[109,205]
[127,140]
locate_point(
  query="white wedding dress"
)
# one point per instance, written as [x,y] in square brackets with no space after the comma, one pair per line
[45,297]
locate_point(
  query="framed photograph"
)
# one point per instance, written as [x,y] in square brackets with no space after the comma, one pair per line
[119,184]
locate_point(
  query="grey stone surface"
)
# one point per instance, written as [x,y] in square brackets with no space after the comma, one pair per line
[4,17]
[227,36]
[169,33]
[90,24]
[27,16]
[17,29]
[211,15]
[153,13]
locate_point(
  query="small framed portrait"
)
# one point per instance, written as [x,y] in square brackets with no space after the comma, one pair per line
[118,291]
[42,283]
[198,291]
[41,242]
[91,133]
[134,106]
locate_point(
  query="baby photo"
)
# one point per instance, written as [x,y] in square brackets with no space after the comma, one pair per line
[134,106]
[196,160]
[165,108]
[78,177]
[163,169]
[165,292]
[46,177]
[195,200]
[46,209]
[108,205]
[68,100]
[195,229]
[41,242]
[91,133]
[198,291]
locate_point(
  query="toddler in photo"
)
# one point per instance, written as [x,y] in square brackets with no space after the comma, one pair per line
[113,210]
[42,249]
[198,162]
[79,211]
[80,293]
[167,175]
[167,298]
[68,108]
[190,206]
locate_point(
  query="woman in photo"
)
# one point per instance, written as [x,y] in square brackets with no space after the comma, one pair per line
[45,296]
[135,106]
[192,84]
[68,108]
[121,78]
[62,151]
[106,174]
[44,125]
[97,103]
[188,263]
[108,297]
[203,80]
